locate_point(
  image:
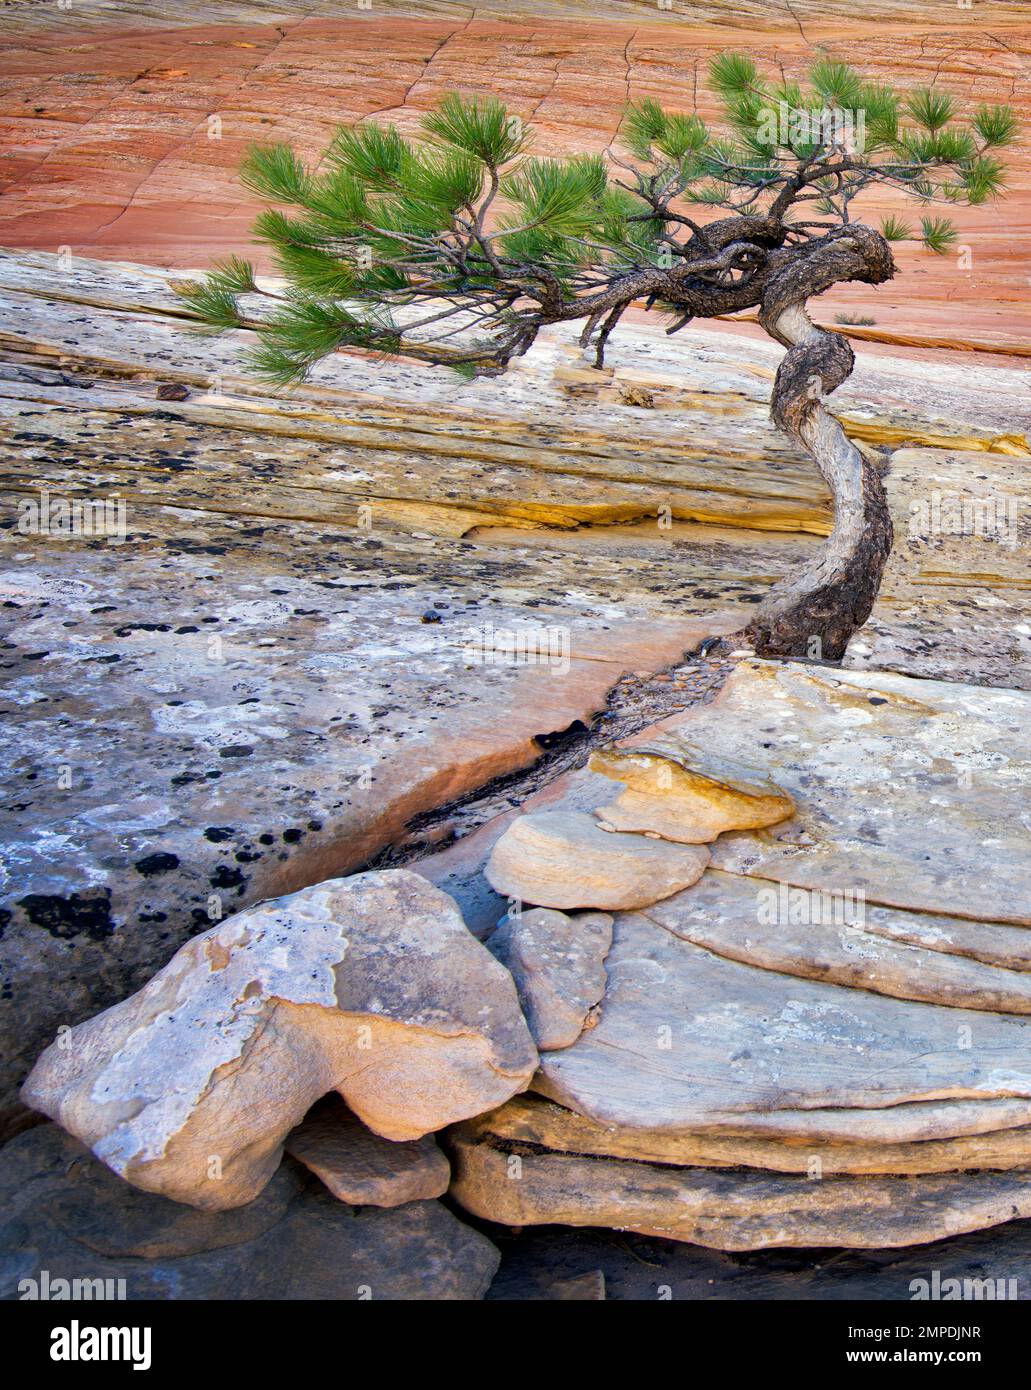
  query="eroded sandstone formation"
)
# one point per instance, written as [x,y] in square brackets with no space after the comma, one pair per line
[369,986]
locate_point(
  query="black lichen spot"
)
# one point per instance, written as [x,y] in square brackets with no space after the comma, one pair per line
[878,700]
[292,835]
[236,750]
[217,834]
[157,863]
[78,914]
[224,877]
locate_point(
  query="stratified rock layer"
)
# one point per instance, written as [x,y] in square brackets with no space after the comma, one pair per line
[370,986]
[68,1224]
[826,1041]
[532,1120]
[124,126]
[730,1211]
[688,1040]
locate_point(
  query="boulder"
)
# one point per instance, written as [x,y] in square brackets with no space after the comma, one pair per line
[691,797]
[358,1166]
[370,986]
[565,859]
[558,964]
[71,1229]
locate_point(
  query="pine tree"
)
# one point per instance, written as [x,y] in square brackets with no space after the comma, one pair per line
[460,247]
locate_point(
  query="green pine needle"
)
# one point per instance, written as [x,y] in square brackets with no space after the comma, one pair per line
[929,108]
[939,235]
[480,127]
[275,172]
[996,125]
[894,229]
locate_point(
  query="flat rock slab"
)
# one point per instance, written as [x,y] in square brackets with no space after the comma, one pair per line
[358,1166]
[816,936]
[532,1120]
[911,792]
[566,860]
[690,800]
[68,1218]
[690,1040]
[558,964]
[370,986]
[744,1210]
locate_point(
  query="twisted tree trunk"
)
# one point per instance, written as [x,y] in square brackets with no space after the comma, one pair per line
[814,613]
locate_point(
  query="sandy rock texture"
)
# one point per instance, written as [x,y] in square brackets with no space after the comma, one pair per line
[333,612]
[369,986]
[691,799]
[731,1211]
[68,1218]
[801,1048]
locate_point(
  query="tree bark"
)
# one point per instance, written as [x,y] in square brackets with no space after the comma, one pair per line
[814,613]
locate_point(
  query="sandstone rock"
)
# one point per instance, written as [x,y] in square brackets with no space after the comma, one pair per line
[692,797]
[940,960]
[370,986]
[744,1210]
[358,1166]
[566,860]
[558,964]
[244,539]
[67,1217]
[901,786]
[531,1120]
[691,1041]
